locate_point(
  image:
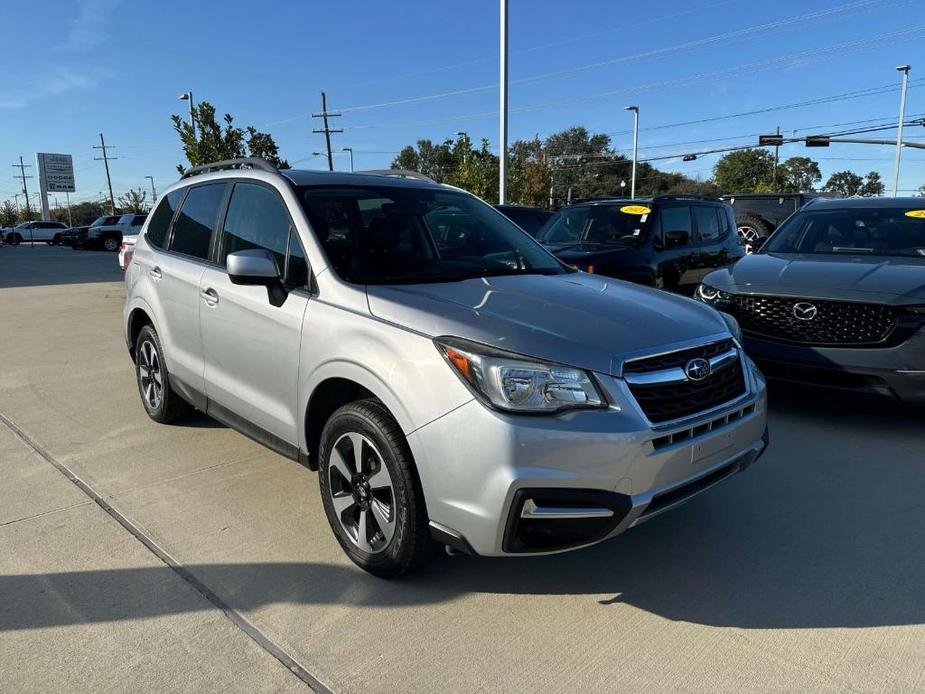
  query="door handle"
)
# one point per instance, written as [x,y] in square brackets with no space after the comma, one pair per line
[210,296]
[155,273]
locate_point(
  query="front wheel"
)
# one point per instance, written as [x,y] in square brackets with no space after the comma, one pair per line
[111,244]
[370,490]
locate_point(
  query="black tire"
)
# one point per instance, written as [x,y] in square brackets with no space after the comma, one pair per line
[111,243]
[753,231]
[410,544]
[169,407]
[14,240]
[56,241]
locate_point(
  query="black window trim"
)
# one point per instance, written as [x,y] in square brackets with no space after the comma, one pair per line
[219,240]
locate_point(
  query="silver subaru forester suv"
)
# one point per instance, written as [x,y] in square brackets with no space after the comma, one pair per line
[449,379]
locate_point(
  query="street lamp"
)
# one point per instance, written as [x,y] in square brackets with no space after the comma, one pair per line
[635,110]
[349,149]
[188,96]
[153,191]
[899,134]
[502,124]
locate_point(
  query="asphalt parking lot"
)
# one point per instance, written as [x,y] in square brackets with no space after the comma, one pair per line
[803,574]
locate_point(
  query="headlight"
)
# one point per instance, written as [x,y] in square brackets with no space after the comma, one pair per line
[515,383]
[711,295]
[733,326]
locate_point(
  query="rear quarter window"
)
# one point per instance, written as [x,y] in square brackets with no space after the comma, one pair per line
[160,218]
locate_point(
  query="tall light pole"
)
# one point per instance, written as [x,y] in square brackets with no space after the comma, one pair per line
[502,160]
[153,191]
[349,149]
[899,134]
[188,96]
[635,110]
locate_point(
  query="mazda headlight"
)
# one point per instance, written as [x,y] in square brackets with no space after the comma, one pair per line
[711,295]
[515,383]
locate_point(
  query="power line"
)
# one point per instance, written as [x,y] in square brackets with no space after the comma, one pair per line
[105,159]
[324,115]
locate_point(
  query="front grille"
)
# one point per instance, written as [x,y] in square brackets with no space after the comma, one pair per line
[842,323]
[664,402]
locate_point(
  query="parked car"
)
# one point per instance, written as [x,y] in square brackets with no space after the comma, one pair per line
[665,242]
[473,390]
[126,250]
[836,296]
[759,214]
[36,231]
[77,237]
[74,237]
[528,218]
[108,235]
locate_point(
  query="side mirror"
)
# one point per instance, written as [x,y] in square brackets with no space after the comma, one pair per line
[256,267]
[673,239]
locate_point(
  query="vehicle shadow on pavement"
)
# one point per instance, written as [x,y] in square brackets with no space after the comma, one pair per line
[817,534]
[28,266]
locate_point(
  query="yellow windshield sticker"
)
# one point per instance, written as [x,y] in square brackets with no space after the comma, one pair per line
[635,209]
[918,214]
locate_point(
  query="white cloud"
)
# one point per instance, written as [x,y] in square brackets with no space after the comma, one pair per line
[55,82]
[91,27]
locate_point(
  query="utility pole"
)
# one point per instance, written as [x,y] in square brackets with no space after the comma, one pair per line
[105,159]
[776,158]
[635,111]
[22,177]
[349,149]
[324,115]
[67,197]
[899,134]
[502,124]
[153,191]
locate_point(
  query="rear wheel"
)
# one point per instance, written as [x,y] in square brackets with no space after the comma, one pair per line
[15,240]
[111,244]
[56,241]
[160,401]
[752,230]
[370,490]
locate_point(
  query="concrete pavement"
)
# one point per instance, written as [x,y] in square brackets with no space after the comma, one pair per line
[802,574]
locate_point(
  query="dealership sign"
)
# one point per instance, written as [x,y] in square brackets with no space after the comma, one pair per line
[56,172]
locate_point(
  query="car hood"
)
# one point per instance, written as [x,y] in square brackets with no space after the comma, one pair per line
[575,319]
[884,279]
[587,251]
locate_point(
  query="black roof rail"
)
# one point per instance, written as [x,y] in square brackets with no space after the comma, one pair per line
[660,198]
[242,163]
[399,173]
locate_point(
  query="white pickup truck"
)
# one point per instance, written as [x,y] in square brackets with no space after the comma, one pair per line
[109,236]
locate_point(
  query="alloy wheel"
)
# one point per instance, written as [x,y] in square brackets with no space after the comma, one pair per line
[151,377]
[361,492]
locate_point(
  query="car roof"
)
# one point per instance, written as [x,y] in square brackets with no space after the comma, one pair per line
[865,203]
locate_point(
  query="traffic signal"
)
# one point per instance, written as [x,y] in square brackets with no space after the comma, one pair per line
[817,141]
[770,140]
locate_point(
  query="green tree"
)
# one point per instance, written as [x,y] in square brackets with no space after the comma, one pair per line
[849,184]
[213,141]
[873,185]
[133,201]
[744,171]
[8,215]
[799,175]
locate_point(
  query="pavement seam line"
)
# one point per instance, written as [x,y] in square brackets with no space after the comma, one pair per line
[45,513]
[237,618]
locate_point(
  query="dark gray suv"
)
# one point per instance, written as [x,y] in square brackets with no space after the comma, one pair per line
[836,297]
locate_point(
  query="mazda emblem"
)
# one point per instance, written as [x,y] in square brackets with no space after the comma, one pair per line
[804,310]
[697,369]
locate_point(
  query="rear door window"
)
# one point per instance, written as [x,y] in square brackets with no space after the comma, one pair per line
[192,232]
[708,228]
[677,219]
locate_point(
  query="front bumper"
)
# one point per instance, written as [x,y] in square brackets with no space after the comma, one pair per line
[897,371]
[582,476]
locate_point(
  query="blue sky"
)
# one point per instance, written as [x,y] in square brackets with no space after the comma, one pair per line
[404,70]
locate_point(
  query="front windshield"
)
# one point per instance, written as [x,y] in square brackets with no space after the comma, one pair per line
[887,231]
[404,235]
[597,224]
